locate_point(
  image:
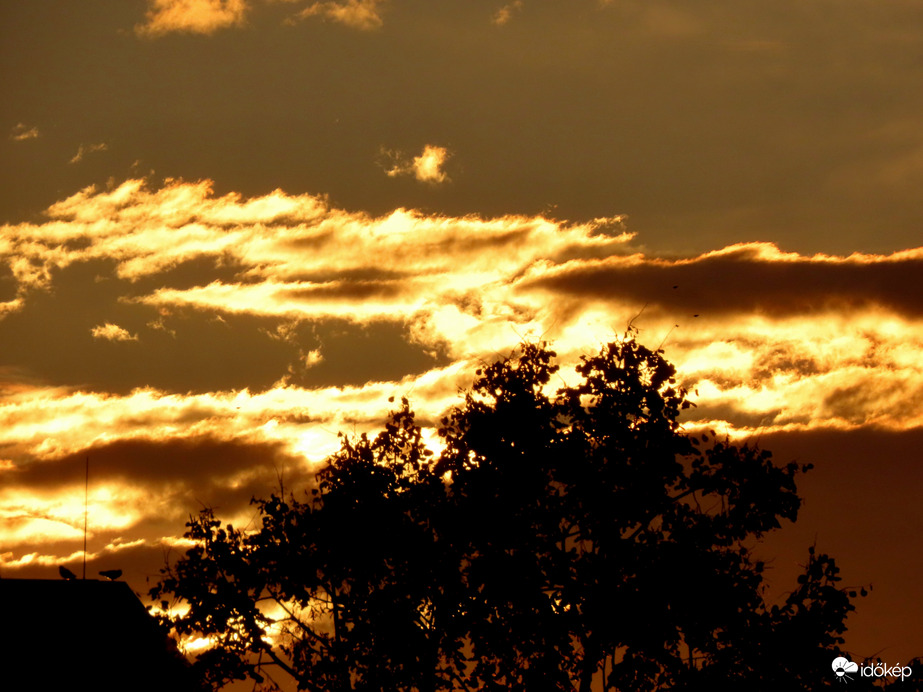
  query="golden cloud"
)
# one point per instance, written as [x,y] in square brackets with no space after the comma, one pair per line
[473,286]
[426,168]
[769,340]
[191,16]
[112,332]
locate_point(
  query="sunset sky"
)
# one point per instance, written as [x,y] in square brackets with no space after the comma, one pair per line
[233,228]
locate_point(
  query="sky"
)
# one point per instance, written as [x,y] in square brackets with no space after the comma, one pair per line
[234,228]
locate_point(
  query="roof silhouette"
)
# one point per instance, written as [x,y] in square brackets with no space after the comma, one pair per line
[56,634]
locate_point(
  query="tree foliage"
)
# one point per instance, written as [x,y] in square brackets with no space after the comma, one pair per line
[558,540]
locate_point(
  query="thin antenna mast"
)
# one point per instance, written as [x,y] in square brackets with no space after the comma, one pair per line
[86,506]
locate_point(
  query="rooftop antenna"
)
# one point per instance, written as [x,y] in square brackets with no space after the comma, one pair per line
[86,506]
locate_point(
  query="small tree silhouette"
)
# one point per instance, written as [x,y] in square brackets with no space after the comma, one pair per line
[558,541]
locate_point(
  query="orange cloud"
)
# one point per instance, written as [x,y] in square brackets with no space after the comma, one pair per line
[357,14]
[191,16]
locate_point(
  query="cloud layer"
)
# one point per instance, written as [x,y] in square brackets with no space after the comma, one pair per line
[198,340]
[209,16]
[213,345]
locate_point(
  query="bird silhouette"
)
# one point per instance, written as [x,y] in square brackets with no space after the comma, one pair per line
[111,574]
[66,573]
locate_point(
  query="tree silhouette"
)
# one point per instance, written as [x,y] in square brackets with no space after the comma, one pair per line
[569,540]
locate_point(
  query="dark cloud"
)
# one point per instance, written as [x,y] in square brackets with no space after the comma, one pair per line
[196,463]
[854,403]
[742,281]
[336,276]
[177,478]
[8,283]
[734,415]
[189,273]
[348,290]
[775,360]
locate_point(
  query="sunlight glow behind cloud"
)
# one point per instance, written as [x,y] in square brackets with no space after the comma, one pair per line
[199,343]
[769,340]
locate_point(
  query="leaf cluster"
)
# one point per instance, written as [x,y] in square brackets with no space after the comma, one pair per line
[558,540]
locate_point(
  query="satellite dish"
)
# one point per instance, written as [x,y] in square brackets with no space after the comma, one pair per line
[66,573]
[111,574]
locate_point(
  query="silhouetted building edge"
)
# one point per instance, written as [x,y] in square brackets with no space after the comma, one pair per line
[56,634]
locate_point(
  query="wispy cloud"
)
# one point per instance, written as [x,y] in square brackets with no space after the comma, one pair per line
[756,278]
[426,168]
[357,14]
[505,13]
[23,132]
[85,149]
[191,16]
[662,19]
